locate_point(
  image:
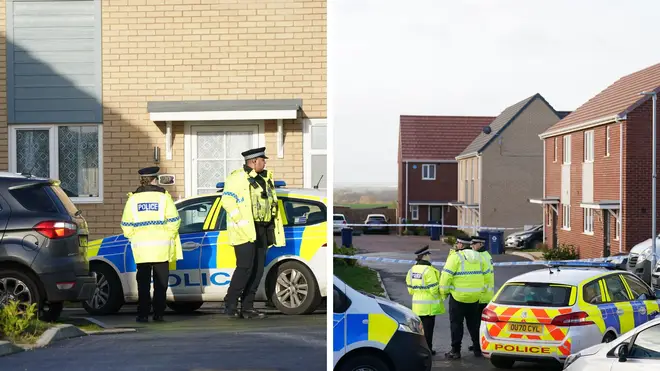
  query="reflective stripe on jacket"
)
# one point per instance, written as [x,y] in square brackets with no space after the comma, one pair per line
[463,276]
[489,278]
[423,282]
[151,223]
[237,202]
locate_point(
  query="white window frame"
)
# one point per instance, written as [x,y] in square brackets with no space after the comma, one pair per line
[308,152]
[555,152]
[414,212]
[607,141]
[566,217]
[53,149]
[588,146]
[566,150]
[588,220]
[426,171]
[617,227]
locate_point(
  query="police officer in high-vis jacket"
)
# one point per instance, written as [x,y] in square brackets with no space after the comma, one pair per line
[479,245]
[151,223]
[253,224]
[463,280]
[423,284]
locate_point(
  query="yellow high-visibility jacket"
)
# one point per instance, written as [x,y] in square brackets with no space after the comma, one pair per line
[489,277]
[463,276]
[423,282]
[237,203]
[151,223]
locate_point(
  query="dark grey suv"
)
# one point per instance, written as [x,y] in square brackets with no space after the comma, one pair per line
[43,245]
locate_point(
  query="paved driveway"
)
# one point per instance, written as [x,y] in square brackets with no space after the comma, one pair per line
[204,341]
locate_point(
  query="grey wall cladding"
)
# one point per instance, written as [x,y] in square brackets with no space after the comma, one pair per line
[54,61]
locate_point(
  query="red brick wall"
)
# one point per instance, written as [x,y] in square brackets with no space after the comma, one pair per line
[442,189]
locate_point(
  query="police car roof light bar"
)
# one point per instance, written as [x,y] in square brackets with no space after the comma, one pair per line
[278,184]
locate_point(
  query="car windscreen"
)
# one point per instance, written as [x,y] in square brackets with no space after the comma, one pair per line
[533,294]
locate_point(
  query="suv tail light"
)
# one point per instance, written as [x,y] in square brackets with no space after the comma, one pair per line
[572,319]
[488,315]
[56,229]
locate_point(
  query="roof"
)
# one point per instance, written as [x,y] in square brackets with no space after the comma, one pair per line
[617,100]
[564,275]
[224,105]
[437,137]
[499,125]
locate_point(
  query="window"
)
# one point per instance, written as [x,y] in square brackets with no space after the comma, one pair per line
[303,212]
[532,294]
[592,294]
[567,149]
[428,171]
[615,288]
[588,220]
[315,149]
[617,227]
[589,146]
[646,344]
[340,301]
[607,141]
[566,216]
[637,288]
[549,216]
[70,153]
[194,213]
[37,198]
[414,212]
[554,152]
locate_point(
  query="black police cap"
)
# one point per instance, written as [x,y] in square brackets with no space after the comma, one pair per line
[149,171]
[255,153]
[423,251]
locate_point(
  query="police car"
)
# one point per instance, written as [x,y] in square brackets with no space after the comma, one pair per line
[548,314]
[294,278]
[375,334]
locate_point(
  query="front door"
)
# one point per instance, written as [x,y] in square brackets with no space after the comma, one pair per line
[606,233]
[554,228]
[216,152]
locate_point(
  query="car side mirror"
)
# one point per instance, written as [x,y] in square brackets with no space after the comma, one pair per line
[622,352]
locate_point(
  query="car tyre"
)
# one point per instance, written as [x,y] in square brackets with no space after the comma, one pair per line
[289,280]
[364,363]
[499,362]
[184,307]
[108,292]
[26,287]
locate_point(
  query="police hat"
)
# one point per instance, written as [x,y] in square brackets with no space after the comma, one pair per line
[423,251]
[149,171]
[465,241]
[255,153]
[477,239]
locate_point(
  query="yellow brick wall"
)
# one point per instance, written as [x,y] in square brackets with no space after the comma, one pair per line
[197,50]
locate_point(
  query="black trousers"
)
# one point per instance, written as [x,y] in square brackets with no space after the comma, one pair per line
[429,325]
[457,313]
[250,260]
[161,272]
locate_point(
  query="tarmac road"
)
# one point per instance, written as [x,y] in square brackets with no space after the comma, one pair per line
[205,341]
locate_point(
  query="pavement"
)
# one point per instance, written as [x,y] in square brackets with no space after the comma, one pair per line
[203,341]
[393,277]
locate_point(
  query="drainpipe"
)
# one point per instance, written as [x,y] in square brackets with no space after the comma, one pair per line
[543,207]
[406,204]
[478,184]
[617,120]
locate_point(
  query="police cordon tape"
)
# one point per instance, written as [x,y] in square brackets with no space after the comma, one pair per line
[610,262]
[435,226]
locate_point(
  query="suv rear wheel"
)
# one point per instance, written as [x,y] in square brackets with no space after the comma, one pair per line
[16,285]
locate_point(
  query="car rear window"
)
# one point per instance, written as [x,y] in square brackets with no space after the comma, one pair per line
[534,294]
[380,218]
[35,199]
[338,217]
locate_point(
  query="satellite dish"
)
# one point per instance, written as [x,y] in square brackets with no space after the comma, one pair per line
[486,129]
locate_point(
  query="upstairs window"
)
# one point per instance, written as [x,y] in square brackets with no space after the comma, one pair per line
[428,172]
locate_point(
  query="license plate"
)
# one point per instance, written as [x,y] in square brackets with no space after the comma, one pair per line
[526,328]
[83,241]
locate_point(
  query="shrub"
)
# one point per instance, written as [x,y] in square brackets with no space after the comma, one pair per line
[343,250]
[562,252]
[16,320]
[450,240]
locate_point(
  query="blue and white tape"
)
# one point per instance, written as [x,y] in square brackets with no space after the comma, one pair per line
[437,226]
[593,262]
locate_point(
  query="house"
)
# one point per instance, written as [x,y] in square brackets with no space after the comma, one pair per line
[502,168]
[93,91]
[597,193]
[427,166]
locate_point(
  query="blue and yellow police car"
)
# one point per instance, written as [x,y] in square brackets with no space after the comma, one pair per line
[294,275]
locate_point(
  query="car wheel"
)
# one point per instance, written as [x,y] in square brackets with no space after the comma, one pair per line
[499,362]
[16,285]
[364,363]
[108,296]
[295,290]
[184,307]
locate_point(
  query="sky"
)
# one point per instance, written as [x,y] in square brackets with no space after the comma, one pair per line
[388,58]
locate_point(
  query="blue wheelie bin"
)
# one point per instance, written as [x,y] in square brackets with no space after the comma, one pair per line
[485,234]
[496,242]
[347,237]
[435,232]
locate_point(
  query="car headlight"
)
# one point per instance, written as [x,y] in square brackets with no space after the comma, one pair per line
[406,323]
[572,358]
[645,254]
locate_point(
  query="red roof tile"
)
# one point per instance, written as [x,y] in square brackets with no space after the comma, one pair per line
[438,137]
[618,99]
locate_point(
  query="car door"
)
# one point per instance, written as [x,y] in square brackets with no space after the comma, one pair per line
[218,257]
[644,303]
[644,352]
[341,303]
[186,280]
[619,300]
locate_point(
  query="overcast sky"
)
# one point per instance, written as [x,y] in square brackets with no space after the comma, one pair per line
[468,57]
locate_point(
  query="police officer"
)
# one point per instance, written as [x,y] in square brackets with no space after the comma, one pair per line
[151,223]
[423,284]
[462,279]
[253,225]
[479,245]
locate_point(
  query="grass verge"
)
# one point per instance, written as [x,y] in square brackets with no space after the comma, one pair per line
[359,278]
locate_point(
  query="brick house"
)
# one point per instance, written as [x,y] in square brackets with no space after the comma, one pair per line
[427,166]
[100,89]
[498,172]
[597,193]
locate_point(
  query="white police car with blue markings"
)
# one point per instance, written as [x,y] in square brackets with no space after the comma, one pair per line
[375,334]
[294,278]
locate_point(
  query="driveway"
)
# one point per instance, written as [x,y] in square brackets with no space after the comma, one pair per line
[203,341]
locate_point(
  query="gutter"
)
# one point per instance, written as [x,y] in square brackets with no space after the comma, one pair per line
[583,126]
[467,155]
